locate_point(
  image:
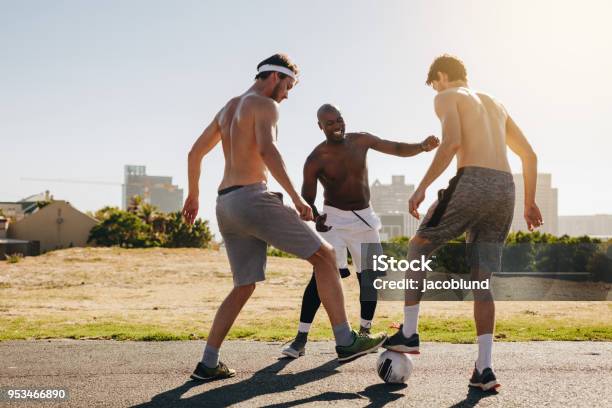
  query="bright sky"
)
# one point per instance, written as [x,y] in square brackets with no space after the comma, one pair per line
[87,87]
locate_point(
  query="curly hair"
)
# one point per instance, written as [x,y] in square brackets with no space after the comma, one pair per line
[449,65]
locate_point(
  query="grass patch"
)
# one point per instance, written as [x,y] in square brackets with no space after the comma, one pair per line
[14,258]
[459,331]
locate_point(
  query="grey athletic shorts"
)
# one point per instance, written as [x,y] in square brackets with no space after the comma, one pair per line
[251,217]
[478,201]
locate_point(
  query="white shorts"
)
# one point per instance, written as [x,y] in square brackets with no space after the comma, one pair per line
[349,230]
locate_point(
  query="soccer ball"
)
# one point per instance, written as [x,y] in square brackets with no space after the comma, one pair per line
[394,367]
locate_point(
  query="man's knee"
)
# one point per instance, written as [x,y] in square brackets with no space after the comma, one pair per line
[245,290]
[324,255]
[419,246]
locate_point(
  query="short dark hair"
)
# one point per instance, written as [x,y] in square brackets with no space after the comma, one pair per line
[449,65]
[279,59]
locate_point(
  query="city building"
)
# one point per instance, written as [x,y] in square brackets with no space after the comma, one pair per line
[56,225]
[155,190]
[397,225]
[391,198]
[596,226]
[390,202]
[546,199]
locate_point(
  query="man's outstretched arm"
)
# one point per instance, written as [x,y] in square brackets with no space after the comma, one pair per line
[266,118]
[401,149]
[446,109]
[518,144]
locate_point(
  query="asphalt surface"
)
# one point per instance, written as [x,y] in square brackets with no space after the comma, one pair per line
[123,374]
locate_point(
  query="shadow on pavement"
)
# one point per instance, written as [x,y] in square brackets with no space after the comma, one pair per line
[473,397]
[269,381]
[265,381]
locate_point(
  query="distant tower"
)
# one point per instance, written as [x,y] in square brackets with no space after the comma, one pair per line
[546,199]
[390,202]
[155,190]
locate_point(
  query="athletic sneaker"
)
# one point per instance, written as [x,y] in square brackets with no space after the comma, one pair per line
[485,381]
[362,345]
[364,330]
[298,347]
[203,373]
[398,342]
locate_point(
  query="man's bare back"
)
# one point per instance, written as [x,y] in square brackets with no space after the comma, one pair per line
[243,163]
[483,128]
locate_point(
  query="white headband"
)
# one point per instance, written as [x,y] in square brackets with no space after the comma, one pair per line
[277,68]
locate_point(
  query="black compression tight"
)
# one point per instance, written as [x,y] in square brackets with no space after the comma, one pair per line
[311,303]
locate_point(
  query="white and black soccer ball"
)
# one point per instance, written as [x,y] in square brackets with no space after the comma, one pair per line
[394,367]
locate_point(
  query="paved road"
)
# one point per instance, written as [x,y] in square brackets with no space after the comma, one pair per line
[120,374]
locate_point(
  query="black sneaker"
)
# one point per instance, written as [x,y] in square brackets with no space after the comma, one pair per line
[203,373]
[401,344]
[485,381]
[298,347]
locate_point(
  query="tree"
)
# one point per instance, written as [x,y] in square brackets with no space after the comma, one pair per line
[179,234]
[122,228]
[144,226]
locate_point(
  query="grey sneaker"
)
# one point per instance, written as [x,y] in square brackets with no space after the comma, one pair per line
[298,347]
[362,345]
[364,330]
[203,373]
[401,344]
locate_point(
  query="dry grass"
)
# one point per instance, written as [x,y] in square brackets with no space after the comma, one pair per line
[175,292]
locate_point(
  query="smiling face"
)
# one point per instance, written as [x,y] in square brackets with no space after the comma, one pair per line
[331,123]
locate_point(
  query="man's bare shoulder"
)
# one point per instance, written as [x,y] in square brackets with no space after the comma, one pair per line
[449,96]
[364,138]
[316,153]
[488,96]
[259,104]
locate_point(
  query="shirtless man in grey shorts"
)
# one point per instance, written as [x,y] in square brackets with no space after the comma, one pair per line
[479,200]
[250,216]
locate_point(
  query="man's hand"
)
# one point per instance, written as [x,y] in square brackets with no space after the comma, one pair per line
[415,200]
[320,223]
[303,208]
[533,217]
[190,209]
[430,143]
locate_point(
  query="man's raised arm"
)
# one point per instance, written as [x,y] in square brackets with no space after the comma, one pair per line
[518,144]
[266,118]
[207,140]
[401,149]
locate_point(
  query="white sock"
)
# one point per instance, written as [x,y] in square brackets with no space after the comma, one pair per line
[304,327]
[411,320]
[485,351]
[366,323]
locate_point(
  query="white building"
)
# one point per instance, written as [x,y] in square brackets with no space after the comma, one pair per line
[546,199]
[599,226]
[390,202]
[155,190]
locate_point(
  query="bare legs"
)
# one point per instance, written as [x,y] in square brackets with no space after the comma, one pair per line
[227,313]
